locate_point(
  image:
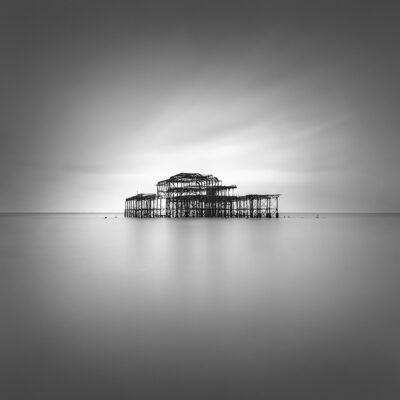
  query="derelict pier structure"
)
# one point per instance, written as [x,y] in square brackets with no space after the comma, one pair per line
[197,195]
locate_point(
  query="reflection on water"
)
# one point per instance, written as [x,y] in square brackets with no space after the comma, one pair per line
[123,308]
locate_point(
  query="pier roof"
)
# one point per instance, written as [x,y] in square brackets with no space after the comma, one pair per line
[143,196]
[188,177]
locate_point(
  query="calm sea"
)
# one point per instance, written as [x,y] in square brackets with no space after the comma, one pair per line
[115,308]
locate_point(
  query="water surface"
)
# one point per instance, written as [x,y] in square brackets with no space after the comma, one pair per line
[299,307]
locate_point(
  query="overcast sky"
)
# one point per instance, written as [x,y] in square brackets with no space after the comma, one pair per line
[103,99]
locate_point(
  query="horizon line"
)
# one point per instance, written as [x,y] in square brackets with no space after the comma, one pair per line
[121,212]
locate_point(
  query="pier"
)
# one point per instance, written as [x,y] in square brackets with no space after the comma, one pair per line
[195,195]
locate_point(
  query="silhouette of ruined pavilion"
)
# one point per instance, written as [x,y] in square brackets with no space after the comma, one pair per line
[197,195]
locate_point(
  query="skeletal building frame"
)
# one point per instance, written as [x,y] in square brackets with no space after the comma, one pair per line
[195,195]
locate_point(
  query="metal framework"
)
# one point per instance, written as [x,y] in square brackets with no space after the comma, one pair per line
[197,195]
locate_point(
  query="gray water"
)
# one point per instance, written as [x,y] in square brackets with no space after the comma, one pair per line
[121,308]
